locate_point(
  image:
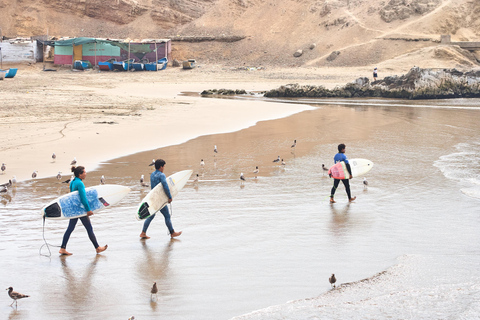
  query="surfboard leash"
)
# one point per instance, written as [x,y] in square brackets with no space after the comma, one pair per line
[46,243]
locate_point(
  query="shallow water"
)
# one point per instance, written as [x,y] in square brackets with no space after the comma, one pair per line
[275,238]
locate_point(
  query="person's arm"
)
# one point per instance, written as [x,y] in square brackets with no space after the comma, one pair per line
[163,180]
[83,198]
[348,166]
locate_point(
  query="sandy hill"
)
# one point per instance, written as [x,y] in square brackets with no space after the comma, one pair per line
[333,33]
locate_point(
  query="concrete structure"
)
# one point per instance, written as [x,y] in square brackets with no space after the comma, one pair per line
[20,51]
[467,45]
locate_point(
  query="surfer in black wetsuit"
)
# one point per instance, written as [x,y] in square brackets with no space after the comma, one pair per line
[77,185]
[340,156]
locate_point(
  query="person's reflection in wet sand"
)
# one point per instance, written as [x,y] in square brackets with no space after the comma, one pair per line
[156,268]
[340,219]
[78,290]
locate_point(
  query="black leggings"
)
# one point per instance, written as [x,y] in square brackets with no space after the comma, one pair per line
[346,183]
[71,226]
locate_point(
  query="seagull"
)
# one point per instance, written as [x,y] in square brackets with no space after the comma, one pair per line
[59,175]
[4,167]
[15,295]
[256,171]
[54,156]
[277,160]
[68,180]
[154,290]
[283,163]
[324,168]
[142,179]
[215,149]
[74,161]
[242,177]
[196,179]
[202,163]
[3,188]
[34,174]
[8,184]
[365,182]
[294,144]
[152,163]
[102,180]
[332,280]
[14,180]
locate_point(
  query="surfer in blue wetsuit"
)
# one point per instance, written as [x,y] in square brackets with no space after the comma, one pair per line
[155,178]
[340,156]
[77,185]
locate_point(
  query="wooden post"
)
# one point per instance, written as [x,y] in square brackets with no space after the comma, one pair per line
[73,53]
[95,54]
[156,56]
[128,62]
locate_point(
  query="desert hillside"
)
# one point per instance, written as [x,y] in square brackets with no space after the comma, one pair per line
[337,33]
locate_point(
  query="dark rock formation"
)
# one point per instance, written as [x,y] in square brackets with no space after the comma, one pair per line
[416,84]
[223,92]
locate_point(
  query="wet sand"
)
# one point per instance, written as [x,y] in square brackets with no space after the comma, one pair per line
[261,243]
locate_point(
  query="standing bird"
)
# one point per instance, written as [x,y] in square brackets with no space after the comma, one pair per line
[294,144]
[277,160]
[68,180]
[34,174]
[74,161]
[4,167]
[256,171]
[154,290]
[3,188]
[332,280]
[102,180]
[142,179]
[365,183]
[15,295]
[54,156]
[59,175]
[324,169]
[283,163]
[215,149]
[202,163]
[14,180]
[152,163]
[242,177]
[196,179]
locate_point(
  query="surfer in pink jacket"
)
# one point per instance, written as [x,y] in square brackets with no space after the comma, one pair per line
[340,156]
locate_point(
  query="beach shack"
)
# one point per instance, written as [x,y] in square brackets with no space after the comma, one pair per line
[96,50]
[20,50]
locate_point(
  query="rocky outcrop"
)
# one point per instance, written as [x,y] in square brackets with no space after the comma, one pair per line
[416,84]
[223,92]
[404,9]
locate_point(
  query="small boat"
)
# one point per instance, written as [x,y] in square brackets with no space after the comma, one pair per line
[189,64]
[82,64]
[10,73]
[140,65]
[123,65]
[107,65]
[161,64]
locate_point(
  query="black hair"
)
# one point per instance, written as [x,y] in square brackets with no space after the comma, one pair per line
[159,163]
[77,171]
[341,146]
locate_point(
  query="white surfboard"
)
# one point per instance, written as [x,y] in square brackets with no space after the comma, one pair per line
[156,199]
[359,168]
[99,197]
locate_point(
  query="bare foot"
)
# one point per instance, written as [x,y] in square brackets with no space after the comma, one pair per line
[143,235]
[64,252]
[101,249]
[175,234]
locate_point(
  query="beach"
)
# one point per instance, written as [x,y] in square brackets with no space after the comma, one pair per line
[249,248]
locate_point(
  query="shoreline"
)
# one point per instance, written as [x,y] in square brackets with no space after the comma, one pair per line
[127,117]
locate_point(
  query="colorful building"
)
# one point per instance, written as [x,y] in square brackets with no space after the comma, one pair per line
[96,50]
